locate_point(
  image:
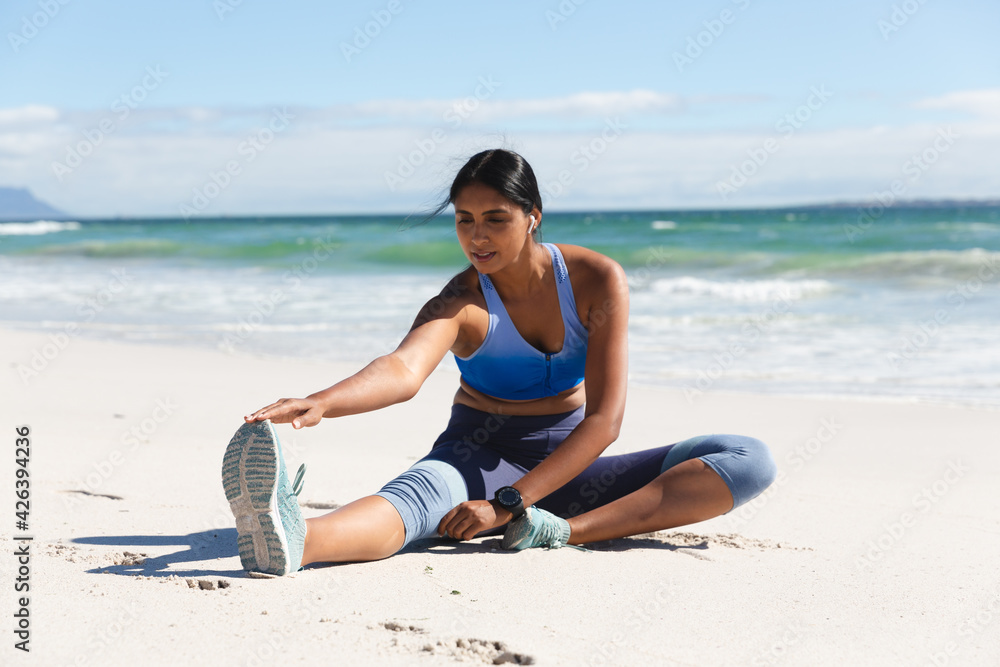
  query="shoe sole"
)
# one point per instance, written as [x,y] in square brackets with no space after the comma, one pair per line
[250,479]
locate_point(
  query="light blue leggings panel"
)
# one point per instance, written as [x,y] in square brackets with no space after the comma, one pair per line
[423,495]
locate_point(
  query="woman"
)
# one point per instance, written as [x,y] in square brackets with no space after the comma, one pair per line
[540,335]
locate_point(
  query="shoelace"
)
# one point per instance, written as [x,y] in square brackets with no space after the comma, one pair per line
[298,482]
[551,536]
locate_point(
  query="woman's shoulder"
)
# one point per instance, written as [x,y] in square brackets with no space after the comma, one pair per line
[589,266]
[465,281]
[454,298]
[463,288]
[600,285]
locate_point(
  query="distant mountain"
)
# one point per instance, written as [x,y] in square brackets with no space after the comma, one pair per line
[19,204]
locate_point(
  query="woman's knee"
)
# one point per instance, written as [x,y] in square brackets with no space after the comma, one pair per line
[763,469]
[745,463]
[423,495]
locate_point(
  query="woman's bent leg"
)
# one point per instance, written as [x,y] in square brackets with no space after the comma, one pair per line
[697,480]
[687,493]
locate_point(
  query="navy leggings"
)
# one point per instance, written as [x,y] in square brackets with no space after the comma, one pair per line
[480,452]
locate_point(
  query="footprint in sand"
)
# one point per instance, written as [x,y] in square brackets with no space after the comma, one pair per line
[461,649]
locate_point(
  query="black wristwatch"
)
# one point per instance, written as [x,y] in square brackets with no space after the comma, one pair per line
[509,498]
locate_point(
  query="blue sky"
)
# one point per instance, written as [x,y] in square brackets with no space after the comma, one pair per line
[672,99]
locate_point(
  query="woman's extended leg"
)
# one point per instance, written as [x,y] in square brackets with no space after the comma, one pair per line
[274,537]
[407,508]
[367,529]
[411,506]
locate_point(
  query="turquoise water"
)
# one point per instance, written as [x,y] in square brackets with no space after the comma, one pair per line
[900,303]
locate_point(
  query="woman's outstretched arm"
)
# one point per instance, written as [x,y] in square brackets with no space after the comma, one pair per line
[389,379]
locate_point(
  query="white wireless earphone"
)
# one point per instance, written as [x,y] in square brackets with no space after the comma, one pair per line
[532,227]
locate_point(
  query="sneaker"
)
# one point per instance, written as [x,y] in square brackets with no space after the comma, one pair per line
[537,528]
[270,529]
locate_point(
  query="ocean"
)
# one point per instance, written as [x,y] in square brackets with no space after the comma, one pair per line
[884,303]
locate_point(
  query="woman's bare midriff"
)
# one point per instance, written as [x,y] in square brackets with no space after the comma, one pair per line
[567,401]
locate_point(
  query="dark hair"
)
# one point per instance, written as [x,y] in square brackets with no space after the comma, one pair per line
[505,171]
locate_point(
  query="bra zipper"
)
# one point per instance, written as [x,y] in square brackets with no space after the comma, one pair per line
[548,372]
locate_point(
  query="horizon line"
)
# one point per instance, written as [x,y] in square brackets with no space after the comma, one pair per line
[945,202]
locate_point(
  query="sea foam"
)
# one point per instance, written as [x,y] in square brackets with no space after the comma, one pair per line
[742,290]
[36,228]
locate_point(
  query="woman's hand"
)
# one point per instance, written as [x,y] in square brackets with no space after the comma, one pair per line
[299,411]
[467,519]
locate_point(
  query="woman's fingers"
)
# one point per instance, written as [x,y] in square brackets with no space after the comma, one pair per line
[464,521]
[310,417]
[464,529]
[446,521]
[458,529]
[454,524]
[299,411]
[261,414]
[280,412]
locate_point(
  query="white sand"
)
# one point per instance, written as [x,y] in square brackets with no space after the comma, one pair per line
[841,562]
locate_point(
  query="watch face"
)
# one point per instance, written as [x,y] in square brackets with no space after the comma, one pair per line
[508,496]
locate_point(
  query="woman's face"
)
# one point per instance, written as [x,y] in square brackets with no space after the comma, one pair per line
[492,229]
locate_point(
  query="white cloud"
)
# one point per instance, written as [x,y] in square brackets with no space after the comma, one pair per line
[982,103]
[27,115]
[471,109]
[155,159]
[480,99]
[587,105]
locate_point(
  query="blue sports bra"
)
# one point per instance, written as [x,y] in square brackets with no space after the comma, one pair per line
[506,366]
